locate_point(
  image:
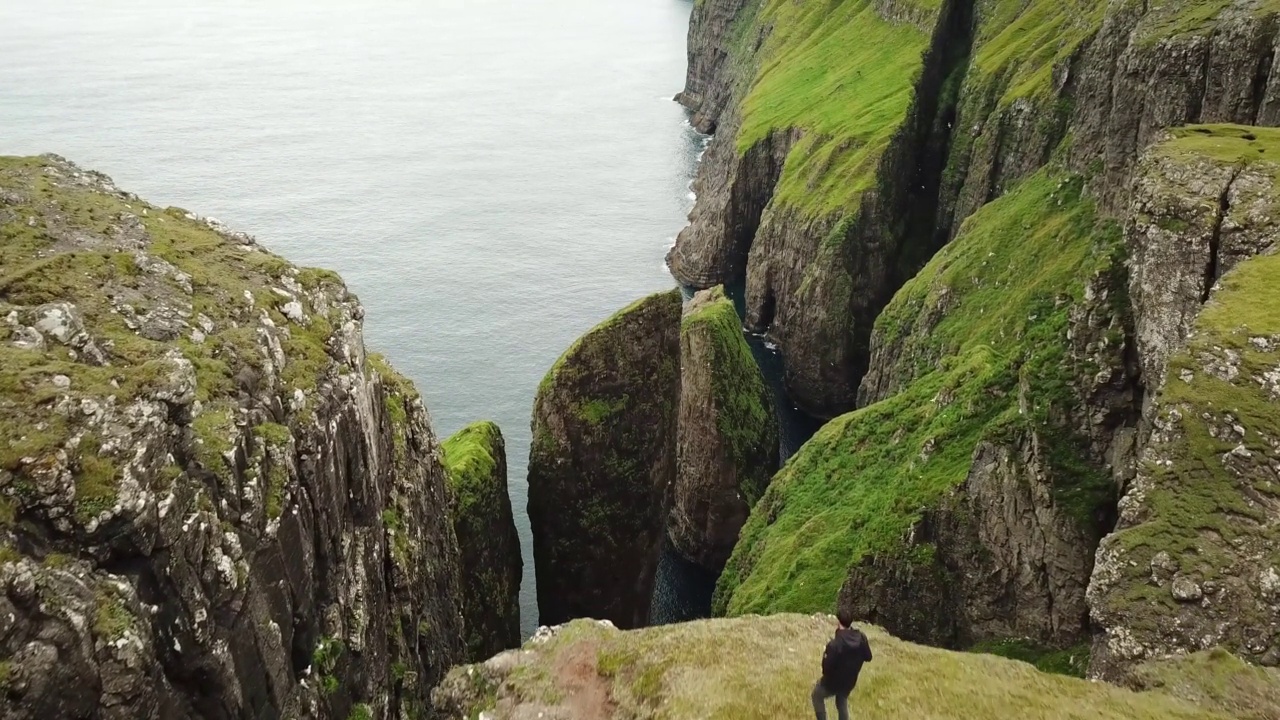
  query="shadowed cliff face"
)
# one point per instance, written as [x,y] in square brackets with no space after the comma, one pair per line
[602,465]
[728,432]
[212,503]
[476,459]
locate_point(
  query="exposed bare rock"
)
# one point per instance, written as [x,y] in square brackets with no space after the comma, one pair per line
[200,529]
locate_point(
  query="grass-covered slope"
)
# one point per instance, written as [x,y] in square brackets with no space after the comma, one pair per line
[763,668]
[476,465]
[843,74]
[727,448]
[993,364]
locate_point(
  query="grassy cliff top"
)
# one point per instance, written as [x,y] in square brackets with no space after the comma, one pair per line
[1228,144]
[763,668]
[471,455]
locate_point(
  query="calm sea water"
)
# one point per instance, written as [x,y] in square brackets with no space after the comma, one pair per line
[492,177]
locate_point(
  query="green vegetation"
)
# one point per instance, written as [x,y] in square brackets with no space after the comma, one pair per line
[846,77]
[1216,679]
[1227,144]
[743,415]
[361,712]
[857,487]
[324,661]
[469,458]
[763,668]
[112,620]
[1201,508]
[1072,661]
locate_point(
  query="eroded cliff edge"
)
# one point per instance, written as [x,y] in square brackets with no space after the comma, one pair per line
[213,502]
[602,463]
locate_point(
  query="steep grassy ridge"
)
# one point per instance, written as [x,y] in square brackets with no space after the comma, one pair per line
[995,362]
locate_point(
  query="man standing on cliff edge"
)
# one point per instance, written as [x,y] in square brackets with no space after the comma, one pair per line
[841,663]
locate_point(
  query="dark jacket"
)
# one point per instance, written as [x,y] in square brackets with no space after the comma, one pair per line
[842,660]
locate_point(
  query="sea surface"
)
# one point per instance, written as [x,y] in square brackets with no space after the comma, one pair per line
[491,177]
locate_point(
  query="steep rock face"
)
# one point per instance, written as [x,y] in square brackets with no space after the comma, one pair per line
[1193,561]
[827,219]
[791,190]
[602,465]
[710,75]
[727,448]
[963,502]
[476,460]
[197,467]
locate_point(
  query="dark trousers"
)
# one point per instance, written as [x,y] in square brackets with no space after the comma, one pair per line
[820,695]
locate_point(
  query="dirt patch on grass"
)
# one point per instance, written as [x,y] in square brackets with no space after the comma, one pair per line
[587,696]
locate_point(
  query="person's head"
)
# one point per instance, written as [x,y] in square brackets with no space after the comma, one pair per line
[844,617]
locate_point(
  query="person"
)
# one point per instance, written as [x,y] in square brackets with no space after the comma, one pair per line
[841,663]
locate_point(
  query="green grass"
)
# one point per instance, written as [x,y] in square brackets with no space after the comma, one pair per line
[743,415]
[845,76]
[1226,144]
[763,668]
[863,480]
[111,620]
[1073,661]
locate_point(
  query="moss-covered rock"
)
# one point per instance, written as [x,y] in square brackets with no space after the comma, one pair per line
[476,459]
[964,504]
[763,668]
[728,444]
[196,455]
[602,464]
[1194,562]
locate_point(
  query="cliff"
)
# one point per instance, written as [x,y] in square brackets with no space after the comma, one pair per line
[476,460]
[854,138]
[727,448]
[1193,563]
[963,506]
[213,503]
[965,256]
[602,464]
[764,668]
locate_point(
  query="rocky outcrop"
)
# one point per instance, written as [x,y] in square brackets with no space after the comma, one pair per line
[1192,563]
[714,27]
[1002,557]
[968,495]
[602,465]
[476,460]
[213,504]
[728,432]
